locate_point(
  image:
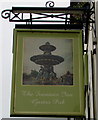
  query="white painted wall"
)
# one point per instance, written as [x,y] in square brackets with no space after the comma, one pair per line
[0,72]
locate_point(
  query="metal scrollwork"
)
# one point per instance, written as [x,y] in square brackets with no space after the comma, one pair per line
[5,14]
[49,4]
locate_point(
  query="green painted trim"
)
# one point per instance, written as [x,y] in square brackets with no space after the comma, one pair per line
[13,71]
[81,73]
[86,69]
[47,30]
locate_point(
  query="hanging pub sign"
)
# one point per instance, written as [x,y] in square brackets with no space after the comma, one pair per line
[47,73]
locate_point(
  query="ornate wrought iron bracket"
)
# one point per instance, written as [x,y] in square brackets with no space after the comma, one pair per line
[73,17]
[49,4]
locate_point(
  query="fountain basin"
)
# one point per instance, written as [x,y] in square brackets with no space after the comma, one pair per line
[47,59]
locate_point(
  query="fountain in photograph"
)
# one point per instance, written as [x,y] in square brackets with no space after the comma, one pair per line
[46,74]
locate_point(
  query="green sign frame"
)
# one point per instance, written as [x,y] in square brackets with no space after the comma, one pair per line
[47,100]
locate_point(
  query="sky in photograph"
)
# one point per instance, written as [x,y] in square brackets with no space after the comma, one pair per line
[63,49]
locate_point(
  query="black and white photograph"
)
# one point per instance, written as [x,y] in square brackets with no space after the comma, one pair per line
[47,61]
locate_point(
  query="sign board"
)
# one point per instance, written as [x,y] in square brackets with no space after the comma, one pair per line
[47,73]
